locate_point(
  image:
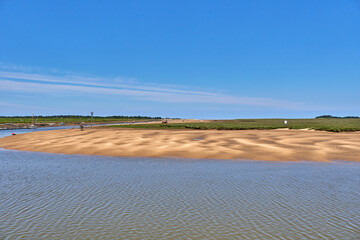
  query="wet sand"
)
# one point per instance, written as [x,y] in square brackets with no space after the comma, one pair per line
[273,145]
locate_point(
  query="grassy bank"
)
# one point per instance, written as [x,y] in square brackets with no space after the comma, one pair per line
[323,124]
[68,119]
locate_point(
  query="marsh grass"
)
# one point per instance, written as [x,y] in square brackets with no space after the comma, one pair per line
[322,124]
[72,119]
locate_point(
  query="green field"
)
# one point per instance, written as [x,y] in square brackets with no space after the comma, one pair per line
[323,124]
[68,119]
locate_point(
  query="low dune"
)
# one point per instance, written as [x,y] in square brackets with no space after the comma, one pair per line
[273,145]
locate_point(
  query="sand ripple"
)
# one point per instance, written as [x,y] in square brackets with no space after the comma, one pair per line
[284,145]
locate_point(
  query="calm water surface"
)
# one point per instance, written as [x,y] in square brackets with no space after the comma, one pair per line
[54,196]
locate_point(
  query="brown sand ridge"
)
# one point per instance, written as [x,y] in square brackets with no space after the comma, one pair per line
[276,145]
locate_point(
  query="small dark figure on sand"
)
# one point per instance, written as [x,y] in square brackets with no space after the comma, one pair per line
[81,127]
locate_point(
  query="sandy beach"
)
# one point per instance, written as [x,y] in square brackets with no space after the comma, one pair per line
[273,145]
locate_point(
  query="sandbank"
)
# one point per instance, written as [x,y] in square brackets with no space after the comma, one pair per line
[272,145]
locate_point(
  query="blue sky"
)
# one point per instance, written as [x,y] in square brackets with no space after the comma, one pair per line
[191,59]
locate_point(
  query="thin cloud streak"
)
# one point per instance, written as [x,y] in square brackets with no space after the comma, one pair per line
[34,82]
[88,81]
[10,85]
[6,104]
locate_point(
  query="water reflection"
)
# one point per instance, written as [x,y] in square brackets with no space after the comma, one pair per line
[5,133]
[8,132]
[53,196]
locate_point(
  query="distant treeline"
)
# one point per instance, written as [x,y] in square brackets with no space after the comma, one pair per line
[83,116]
[330,116]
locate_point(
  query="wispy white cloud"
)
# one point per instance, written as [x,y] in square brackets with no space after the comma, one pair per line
[70,83]
[89,81]
[6,104]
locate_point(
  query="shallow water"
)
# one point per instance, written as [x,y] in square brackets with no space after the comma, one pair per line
[9,132]
[54,196]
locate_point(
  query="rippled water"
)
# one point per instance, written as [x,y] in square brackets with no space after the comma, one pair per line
[53,196]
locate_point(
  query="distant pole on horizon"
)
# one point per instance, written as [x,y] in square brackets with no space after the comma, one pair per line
[92,114]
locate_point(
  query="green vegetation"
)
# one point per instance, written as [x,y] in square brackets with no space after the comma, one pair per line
[72,119]
[330,116]
[324,124]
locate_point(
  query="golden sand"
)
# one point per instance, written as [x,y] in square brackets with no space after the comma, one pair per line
[275,145]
